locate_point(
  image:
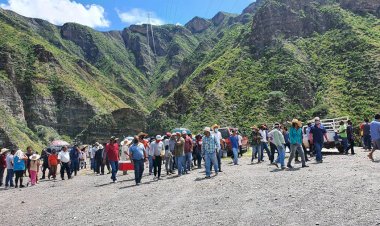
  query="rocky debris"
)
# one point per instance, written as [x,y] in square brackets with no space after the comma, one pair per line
[362,6]
[43,55]
[198,24]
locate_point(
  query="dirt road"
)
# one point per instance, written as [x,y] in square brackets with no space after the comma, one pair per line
[344,190]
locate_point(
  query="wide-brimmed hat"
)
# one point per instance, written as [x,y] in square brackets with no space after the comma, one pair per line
[3,150]
[97,144]
[142,134]
[207,129]
[126,142]
[215,126]
[114,138]
[158,137]
[34,157]
[254,127]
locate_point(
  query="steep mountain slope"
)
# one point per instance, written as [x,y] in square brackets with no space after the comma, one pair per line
[277,60]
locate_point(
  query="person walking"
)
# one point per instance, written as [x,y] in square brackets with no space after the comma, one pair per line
[219,140]
[375,135]
[316,134]
[209,143]
[295,136]
[92,151]
[64,160]
[286,137]
[188,151]
[342,131]
[112,154]
[45,162]
[279,141]
[19,167]
[3,164]
[350,137]
[158,149]
[10,173]
[29,152]
[138,157]
[366,128]
[179,153]
[234,139]
[256,143]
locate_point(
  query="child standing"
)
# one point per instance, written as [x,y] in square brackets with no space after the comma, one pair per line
[53,163]
[34,165]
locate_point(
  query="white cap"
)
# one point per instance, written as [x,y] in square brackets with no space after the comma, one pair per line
[158,137]
[207,129]
[317,119]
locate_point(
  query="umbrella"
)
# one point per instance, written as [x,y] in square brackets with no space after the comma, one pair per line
[58,143]
[181,130]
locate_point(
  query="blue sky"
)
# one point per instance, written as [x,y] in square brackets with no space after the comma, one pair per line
[117,14]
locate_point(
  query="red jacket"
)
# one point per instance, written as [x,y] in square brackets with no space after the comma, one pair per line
[112,152]
[3,162]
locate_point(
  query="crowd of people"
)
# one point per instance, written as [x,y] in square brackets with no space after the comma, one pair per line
[180,152]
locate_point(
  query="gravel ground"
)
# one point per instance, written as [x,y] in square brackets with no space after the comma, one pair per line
[344,190]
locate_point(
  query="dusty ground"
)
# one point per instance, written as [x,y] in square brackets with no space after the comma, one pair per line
[344,190]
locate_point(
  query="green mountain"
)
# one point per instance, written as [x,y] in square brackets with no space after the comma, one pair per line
[277,60]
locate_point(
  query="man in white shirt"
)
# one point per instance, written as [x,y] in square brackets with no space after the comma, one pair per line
[92,151]
[64,159]
[158,151]
[218,148]
[264,142]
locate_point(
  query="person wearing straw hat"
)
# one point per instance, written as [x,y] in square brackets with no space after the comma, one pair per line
[209,143]
[158,150]
[10,172]
[219,152]
[3,164]
[255,143]
[34,165]
[295,136]
[125,144]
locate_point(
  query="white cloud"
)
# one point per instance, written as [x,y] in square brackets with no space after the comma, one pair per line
[60,11]
[139,16]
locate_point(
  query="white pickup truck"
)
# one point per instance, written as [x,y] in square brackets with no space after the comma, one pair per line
[331,126]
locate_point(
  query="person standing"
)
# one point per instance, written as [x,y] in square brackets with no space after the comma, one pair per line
[219,152]
[234,139]
[316,134]
[10,165]
[366,128]
[279,141]
[158,149]
[286,138]
[350,137]
[208,151]
[198,150]
[295,136]
[188,151]
[53,163]
[19,167]
[3,164]
[29,152]
[112,153]
[138,157]
[93,150]
[342,131]
[64,160]
[375,135]
[179,153]
[264,143]
[99,163]
[169,164]
[34,165]
[240,141]
[74,157]
[256,143]
[45,164]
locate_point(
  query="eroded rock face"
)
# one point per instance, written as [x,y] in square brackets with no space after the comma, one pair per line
[11,101]
[43,55]
[289,19]
[197,25]
[362,6]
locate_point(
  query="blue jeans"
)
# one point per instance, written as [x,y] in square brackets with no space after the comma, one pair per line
[150,159]
[74,167]
[93,164]
[256,150]
[345,144]
[9,178]
[367,141]
[139,170]
[211,158]
[179,162]
[318,151]
[188,159]
[264,146]
[236,155]
[115,168]
[281,155]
